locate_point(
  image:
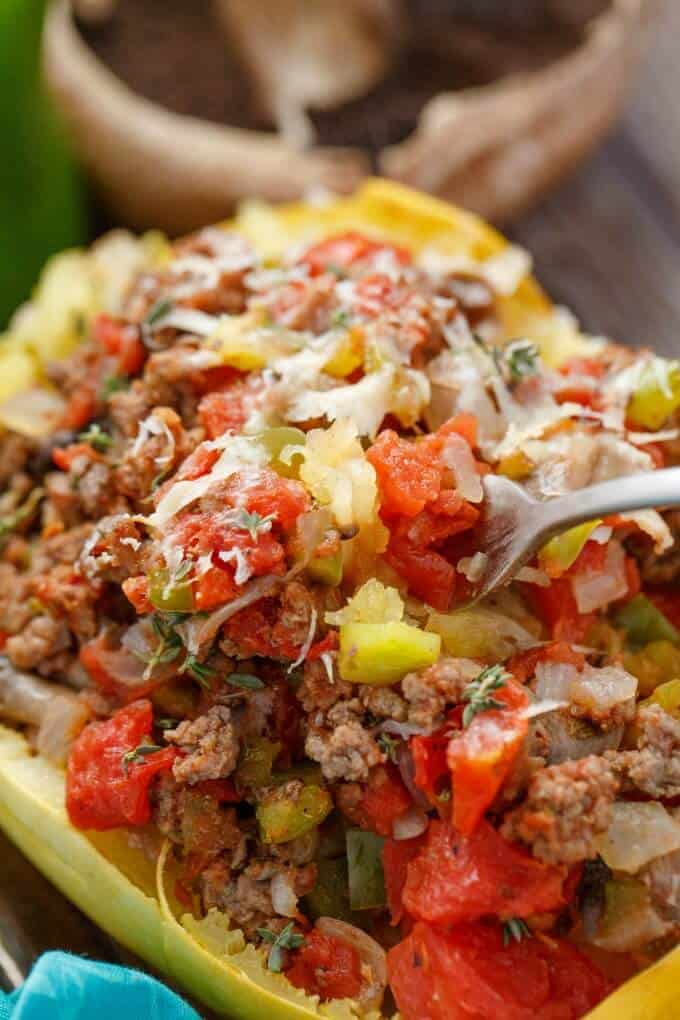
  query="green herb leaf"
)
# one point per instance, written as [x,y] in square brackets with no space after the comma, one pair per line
[200,671]
[286,939]
[162,308]
[169,642]
[515,929]
[521,357]
[138,755]
[478,693]
[389,745]
[253,523]
[339,319]
[167,724]
[247,680]
[112,384]
[96,438]
[11,522]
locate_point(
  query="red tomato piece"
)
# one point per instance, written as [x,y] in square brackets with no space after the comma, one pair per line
[327,967]
[195,466]
[462,878]
[229,409]
[100,793]
[115,670]
[385,799]
[121,339]
[213,589]
[346,249]
[136,591]
[481,756]
[396,857]
[284,498]
[377,291]
[591,559]
[79,409]
[523,665]
[556,607]
[429,758]
[64,456]
[469,973]
[446,516]
[223,790]
[428,574]
[408,477]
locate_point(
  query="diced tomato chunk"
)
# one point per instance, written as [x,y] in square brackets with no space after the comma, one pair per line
[460,877]
[481,756]
[284,498]
[556,606]
[115,670]
[396,857]
[228,409]
[327,967]
[79,409]
[64,456]
[215,587]
[591,559]
[102,790]
[195,466]
[121,339]
[346,249]
[470,973]
[429,758]
[136,591]
[385,799]
[223,790]
[408,477]
[428,574]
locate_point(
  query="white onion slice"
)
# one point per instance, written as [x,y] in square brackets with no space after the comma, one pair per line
[284,900]
[596,590]
[457,456]
[637,834]
[412,823]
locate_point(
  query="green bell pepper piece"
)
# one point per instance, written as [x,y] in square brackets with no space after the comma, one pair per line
[366,877]
[275,440]
[170,596]
[643,622]
[656,663]
[330,895]
[255,762]
[382,653]
[657,395]
[282,817]
[326,569]
[561,552]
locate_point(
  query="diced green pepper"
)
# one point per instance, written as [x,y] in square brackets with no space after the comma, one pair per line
[330,895]
[283,817]
[656,663]
[255,763]
[382,653]
[657,395]
[170,596]
[307,772]
[561,552]
[366,878]
[275,440]
[628,919]
[326,569]
[643,622]
[332,837]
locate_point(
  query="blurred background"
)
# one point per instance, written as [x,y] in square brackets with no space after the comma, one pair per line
[556,119]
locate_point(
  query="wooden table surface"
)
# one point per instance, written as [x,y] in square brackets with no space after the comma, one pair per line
[607,244]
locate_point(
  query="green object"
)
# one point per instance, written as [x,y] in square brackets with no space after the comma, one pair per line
[330,895]
[562,551]
[42,207]
[307,772]
[657,395]
[283,817]
[275,440]
[366,878]
[255,764]
[667,695]
[326,569]
[656,663]
[169,596]
[643,622]
[382,653]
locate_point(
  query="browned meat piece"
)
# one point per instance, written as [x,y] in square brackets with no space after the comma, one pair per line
[15,611]
[160,446]
[294,617]
[440,686]
[210,746]
[318,690]
[341,745]
[115,550]
[68,595]
[97,492]
[62,548]
[654,768]
[196,822]
[250,898]
[383,702]
[38,643]
[312,312]
[566,807]
[14,453]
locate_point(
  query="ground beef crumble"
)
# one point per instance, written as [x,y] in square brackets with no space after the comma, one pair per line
[209,744]
[654,768]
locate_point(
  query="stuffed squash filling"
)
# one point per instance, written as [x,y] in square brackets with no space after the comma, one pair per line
[232,606]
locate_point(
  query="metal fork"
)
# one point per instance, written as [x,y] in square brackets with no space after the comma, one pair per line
[515,526]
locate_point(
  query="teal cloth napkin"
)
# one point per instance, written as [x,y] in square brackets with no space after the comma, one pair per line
[63,987]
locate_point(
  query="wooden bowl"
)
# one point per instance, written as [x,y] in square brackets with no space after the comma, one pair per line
[494,149]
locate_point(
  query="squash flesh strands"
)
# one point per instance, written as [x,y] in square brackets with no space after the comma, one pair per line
[115,884]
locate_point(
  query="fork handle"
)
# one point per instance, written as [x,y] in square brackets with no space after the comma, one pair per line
[650,489]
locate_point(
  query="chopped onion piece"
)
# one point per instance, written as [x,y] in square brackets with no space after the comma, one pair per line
[596,590]
[284,900]
[531,575]
[543,707]
[600,690]
[637,834]
[457,456]
[411,824]
[473,567]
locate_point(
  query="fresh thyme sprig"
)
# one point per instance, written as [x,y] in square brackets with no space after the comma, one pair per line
[138,755]
[169,642]
[246,680]
[521,357]
[200,671]
[95,437]
[389,745]
[478,693]
[286,939]
[158,312]
[253,522]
